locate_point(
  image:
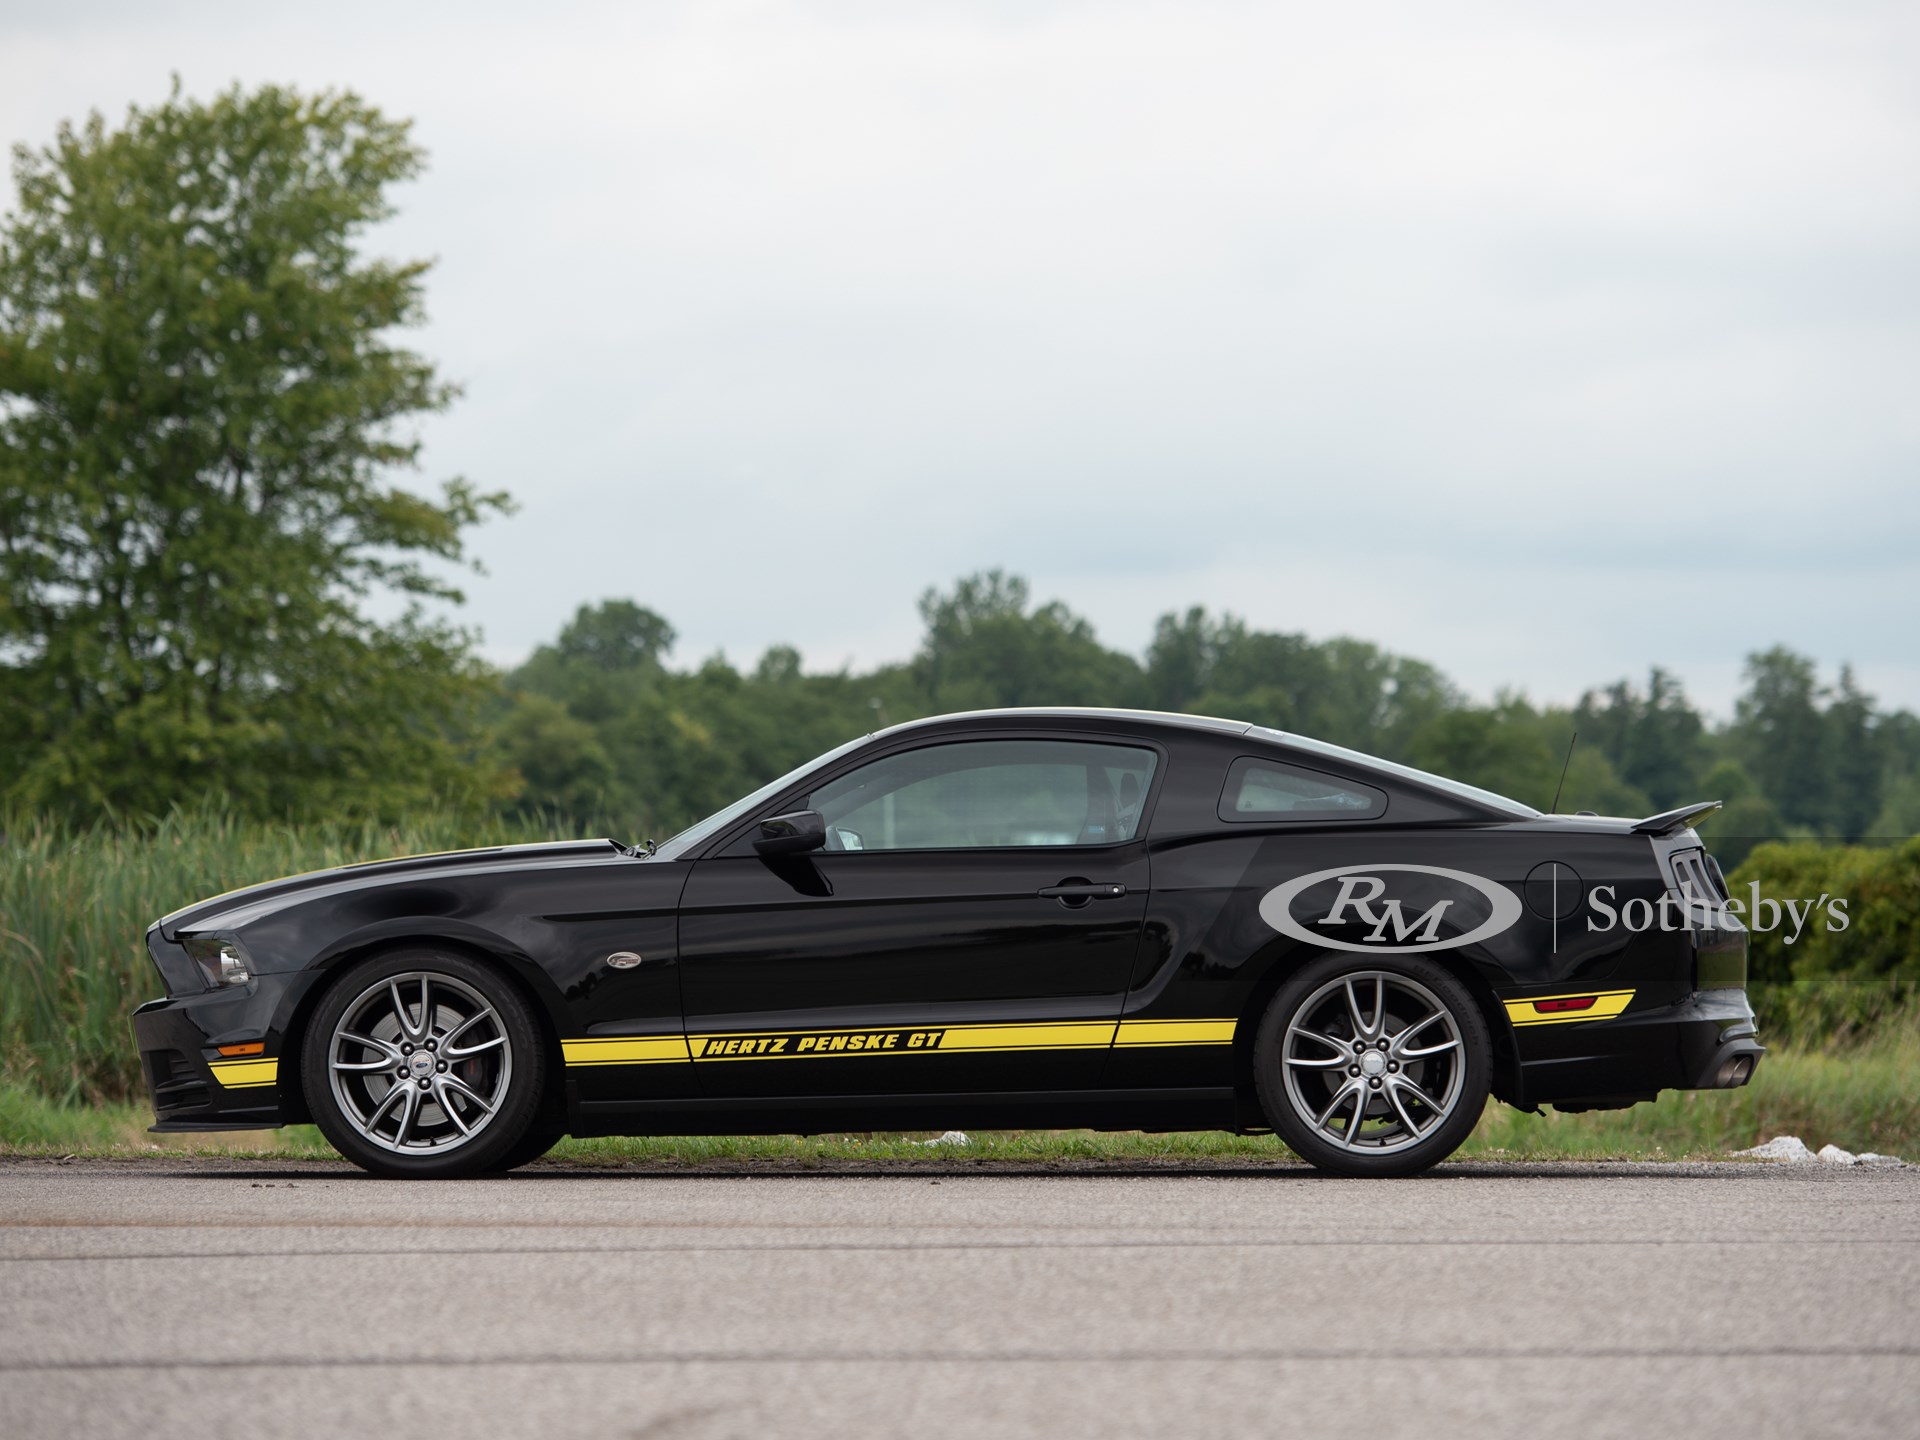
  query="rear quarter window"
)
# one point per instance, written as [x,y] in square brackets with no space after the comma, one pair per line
[1259,789]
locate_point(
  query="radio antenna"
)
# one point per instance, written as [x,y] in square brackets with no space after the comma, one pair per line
[1554,808]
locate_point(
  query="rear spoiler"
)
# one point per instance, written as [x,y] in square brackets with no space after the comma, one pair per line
[1671,820]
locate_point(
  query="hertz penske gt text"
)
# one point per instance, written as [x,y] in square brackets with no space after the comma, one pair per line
[1055,918]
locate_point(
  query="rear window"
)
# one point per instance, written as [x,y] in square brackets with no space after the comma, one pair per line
[1471,793]
[1261,789]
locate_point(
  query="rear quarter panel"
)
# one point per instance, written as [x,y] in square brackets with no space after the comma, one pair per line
[1207,951]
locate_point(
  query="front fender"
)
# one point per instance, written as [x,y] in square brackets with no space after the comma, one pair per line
[395,931]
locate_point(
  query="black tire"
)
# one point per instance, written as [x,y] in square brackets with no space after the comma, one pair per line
[364,1034]
[541,1137]
[548,1129]
[1396,1038]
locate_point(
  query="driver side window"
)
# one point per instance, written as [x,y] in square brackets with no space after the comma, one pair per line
[989,793]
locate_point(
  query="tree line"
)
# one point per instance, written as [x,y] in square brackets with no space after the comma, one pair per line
[204,420]
[598,724]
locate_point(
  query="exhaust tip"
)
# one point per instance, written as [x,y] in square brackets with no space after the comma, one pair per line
[1734,1073]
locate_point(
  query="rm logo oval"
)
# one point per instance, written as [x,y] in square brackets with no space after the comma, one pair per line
[1406,923]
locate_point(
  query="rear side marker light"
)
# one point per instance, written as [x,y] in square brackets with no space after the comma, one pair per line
[256,1048]
[1556,1007]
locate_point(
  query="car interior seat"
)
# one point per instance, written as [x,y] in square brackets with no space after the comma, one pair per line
[1102,816]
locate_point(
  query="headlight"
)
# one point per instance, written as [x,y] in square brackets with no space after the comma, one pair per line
[223,962]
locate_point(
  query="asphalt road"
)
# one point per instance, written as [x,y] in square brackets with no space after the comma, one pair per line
[214,1298]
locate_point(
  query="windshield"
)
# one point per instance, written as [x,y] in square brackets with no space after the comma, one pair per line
[1405,772]
[698,834]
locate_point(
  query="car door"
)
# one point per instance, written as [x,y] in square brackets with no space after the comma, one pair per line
[970,926]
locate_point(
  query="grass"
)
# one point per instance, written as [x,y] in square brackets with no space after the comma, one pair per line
[31,1124]
[1864,1098]
[75,906]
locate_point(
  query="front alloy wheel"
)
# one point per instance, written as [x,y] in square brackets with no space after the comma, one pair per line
[421,1064]
[1373,1067]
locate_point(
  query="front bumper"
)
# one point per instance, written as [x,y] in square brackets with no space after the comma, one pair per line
[1704,1041]
[192,1085]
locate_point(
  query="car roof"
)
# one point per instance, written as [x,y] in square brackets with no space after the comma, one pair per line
[1014,714]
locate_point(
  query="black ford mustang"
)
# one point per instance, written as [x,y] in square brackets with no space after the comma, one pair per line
[1053,918]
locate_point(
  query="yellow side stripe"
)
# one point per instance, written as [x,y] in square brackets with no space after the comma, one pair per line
[1606,1005]
[1175,1032]
[626,1050]
[976,1038]
[812,1044]
[932,1029]
[244,1074]
[1069,1035]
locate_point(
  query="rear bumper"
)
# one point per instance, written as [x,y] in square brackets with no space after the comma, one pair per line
[192,1085]
[1704,1041]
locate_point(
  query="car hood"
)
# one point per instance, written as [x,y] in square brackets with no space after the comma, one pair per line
[238,907]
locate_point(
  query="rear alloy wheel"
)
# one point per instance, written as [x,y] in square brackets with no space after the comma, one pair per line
[1373,1067]
[424,1065]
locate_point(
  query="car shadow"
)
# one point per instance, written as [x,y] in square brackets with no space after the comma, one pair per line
[1485,1172]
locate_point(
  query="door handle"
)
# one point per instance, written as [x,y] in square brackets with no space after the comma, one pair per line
[1079,892]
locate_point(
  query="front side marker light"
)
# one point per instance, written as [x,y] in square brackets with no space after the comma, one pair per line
[221,961]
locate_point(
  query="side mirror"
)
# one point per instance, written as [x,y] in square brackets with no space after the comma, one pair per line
[793,834]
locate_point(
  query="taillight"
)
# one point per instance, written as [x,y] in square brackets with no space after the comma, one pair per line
[1572,1002]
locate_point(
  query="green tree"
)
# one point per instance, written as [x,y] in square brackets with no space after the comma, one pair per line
[1182,655]
[1899,816]
[1779,734]
[1898,737]
[564,770]
[983,647]
[667,746]
[1854,764]
[1343,690]
[583,724]
[671,745]
[1656,740]
[605,659]
[1512,749]
[616,636]
[200,415]
[1746,817]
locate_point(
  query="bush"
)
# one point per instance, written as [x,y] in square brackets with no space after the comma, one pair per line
[1825,985]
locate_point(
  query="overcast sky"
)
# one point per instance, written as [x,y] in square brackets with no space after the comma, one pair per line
[1544,342]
